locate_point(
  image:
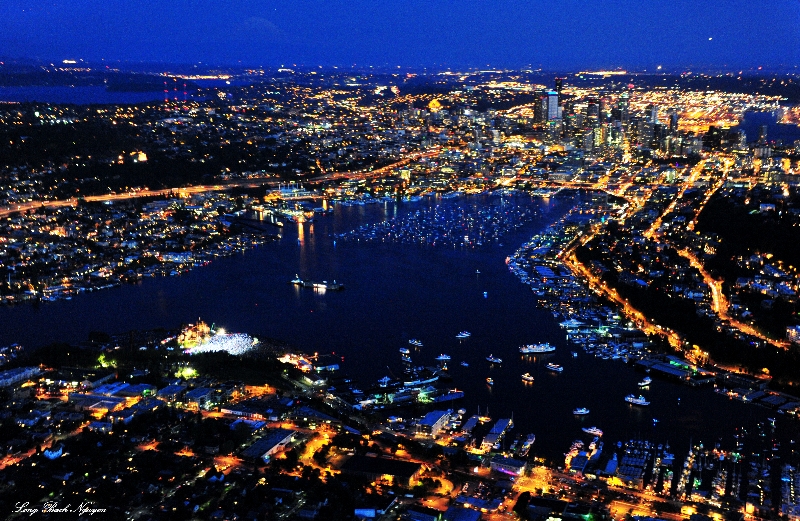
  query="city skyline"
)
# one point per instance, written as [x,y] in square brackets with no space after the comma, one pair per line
[443,261]
[440,34]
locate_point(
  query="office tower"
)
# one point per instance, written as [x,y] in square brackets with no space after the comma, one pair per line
[652,113]
[593,111]
[559,88]
[552,106]
[673,121]
[624,105]
[762,134]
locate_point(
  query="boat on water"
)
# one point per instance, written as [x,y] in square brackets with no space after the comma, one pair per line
[580,410]
[464,334]
[443,357]
[405,358]
[645,382]
[405,350]
[418,380]
[526,445]
[544,347]
[465,364]
[554,367]
[636,401]
[527,377]
[477,272]
[334,286]
[594,431]
[490,381]
[414,342]
[494,359]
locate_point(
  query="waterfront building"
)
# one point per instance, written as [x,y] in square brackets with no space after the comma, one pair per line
[433,422]
[508,465]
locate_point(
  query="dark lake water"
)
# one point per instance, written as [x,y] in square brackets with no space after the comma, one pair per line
[397,292]
[91,95]
[80,95]
[753,121]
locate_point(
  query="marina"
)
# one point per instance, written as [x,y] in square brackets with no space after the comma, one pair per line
[466,224]
[269,308]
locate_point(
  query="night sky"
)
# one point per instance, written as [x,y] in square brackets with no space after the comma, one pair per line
[557,34]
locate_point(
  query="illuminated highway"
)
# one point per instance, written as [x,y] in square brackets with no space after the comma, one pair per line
[688,183]
[220,187]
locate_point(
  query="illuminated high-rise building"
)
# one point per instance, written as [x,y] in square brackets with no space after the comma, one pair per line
[762,134]
[624,106]
[559,88]
[673,121]
[553,111]
[652,114]
[593,111]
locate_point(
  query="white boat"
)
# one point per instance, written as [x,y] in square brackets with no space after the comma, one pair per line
[636,401]
[645,382]
[464,334]
[405,358]
[554,367]
[490,381]
[594,431]
[405,350]
[443,357]
[421,381]
[415,342]
[544,347]
[526,445]
[580,410]
[494,359]
[527,377]
[465,364]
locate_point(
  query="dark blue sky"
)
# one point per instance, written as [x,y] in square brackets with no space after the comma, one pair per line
[452,33]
